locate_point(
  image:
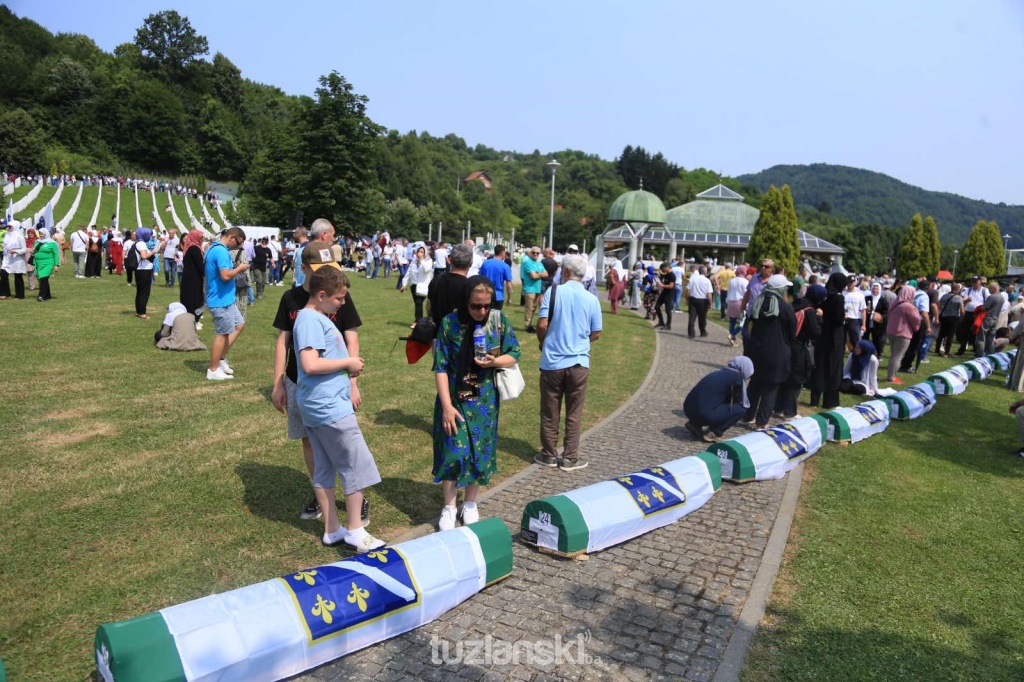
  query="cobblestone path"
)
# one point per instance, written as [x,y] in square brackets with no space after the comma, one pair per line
[660,607]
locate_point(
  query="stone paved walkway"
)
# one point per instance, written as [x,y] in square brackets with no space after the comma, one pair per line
[660,607]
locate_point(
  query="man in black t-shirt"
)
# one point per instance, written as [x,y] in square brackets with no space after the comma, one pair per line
[551,265]
[314,256]
[259,265]
[666,285]
[448,289]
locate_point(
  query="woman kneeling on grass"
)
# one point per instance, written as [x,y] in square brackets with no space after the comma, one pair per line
[860,375]
[467,405]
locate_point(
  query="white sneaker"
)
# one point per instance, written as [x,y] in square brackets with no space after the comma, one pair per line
[470,514]
[224,368]
[367,544]
[448,515]
[199,326]
[219,375]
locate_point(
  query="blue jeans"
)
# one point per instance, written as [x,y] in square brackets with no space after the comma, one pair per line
[734,326]
[376,266]
[922,350]
[170,270]
[402,269]
[250,295]
[677,296]
[387,267]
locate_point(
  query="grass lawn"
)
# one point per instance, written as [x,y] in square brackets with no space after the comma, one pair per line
[904,561]
[130,483]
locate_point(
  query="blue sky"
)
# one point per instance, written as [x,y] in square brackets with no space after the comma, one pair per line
[931,93]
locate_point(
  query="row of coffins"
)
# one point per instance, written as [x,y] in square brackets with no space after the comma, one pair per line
[282,627]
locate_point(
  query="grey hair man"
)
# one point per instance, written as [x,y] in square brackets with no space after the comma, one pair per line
[448,288]
[568,322]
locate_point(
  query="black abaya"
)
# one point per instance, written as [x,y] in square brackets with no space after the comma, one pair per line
[192,296]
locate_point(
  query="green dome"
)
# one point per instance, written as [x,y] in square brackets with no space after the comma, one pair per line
[638,207]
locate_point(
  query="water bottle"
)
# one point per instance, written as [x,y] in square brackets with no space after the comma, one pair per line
[479,342]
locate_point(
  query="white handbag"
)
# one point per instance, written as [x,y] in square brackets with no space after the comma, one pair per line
[422,288]
[510,382]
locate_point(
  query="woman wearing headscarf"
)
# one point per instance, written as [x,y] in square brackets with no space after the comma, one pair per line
[719,400]
[828,352]
[769,347]
[467,407]
[46,258]
[14,257]
[904,320]
[117,250]
[144,272]
[636,278]
[616,286]
[877,306]
[734,301]
[808,330]
[192,295]
[418,276]
[650,292]
[93,254]
[178,331]
[860,374]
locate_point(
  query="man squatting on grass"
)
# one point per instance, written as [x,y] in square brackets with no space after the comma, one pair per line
[323,395]
[286,377]
[220,301]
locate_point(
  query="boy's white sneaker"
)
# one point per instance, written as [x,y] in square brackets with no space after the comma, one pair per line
[225,368]
[448,515]
[218,375]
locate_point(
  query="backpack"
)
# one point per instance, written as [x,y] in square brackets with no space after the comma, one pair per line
[131,259]
[242,278]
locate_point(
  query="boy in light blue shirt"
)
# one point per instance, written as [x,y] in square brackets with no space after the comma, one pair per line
[324,401]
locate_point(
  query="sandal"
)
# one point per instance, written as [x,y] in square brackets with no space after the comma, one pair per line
[143,317]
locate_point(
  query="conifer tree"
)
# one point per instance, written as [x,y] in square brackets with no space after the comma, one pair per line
[914,256]
[931,239]
[775,233]
[983,253]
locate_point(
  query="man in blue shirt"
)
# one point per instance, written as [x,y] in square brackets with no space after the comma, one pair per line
[533,274]
[500,274]
[568,321]
[220,301]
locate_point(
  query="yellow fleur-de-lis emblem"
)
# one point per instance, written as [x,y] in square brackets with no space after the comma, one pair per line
[323,609]
[628,480]
[658,494]
[381,556]
[644,500]
[306,576]
[658,470]
[358,597]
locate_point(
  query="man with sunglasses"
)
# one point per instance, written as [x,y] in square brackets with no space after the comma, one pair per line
[220,301]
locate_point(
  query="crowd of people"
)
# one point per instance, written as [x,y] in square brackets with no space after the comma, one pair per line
[828,333]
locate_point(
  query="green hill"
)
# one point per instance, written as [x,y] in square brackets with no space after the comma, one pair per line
[863,196]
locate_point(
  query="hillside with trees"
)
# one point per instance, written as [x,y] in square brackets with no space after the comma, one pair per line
[865,197]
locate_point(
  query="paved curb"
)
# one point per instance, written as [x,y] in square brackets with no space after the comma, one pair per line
[753,610]
[427,528]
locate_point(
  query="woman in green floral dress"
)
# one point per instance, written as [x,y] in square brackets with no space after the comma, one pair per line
[467,406]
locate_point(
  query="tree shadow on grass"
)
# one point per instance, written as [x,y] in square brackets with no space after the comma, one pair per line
[415,422]
[197,366]
[420,501]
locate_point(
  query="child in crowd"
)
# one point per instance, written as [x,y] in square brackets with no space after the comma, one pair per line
[324,400]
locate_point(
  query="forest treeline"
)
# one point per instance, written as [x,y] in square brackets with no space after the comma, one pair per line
[161,105]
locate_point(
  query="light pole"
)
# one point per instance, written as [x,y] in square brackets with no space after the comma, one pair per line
[956,252]
[553,165]
[1006,242]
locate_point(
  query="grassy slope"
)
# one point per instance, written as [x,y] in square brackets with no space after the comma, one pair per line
[904,562]
[130,483]
[36,204]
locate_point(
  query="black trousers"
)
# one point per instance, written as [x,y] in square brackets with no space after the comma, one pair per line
[853,388]
[762,395]
[720,419]
[130,273]
[877,334]
[831,400]
[5,284]
[947,333]
[664,302]
[44,289]
[853,331]
[915,342]
[965,332]
[698,315]
[143,285]
[785,402]
[417,302]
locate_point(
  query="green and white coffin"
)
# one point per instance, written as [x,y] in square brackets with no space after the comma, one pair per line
[770,453]
[599,516]
[854,424]
[911,403]
[979,368]
[1000,361]
[278,628]
[951,382]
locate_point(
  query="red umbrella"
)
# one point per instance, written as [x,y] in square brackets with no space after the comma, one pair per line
[945,275]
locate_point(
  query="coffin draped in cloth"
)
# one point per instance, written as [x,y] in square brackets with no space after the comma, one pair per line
[951,382]
[856,423]
[598,516]
[278,628]
[979,368]
[911,403]
[1000,361]
[770,453]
